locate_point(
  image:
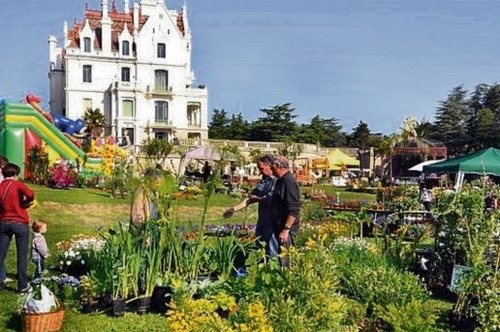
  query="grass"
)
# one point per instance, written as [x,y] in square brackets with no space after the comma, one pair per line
[81,210]
[74,211]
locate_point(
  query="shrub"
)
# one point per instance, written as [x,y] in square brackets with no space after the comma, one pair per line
[38,165]
[62,175]
[488,311]
[412,316]
[368,277]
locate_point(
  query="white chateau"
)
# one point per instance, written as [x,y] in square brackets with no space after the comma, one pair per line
[135,66]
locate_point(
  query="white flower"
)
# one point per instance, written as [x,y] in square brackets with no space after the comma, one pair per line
[83,262]
[68,262]
[442,234]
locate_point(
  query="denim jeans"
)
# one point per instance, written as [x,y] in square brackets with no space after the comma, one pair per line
[40,266]
[267,235]
[22,234]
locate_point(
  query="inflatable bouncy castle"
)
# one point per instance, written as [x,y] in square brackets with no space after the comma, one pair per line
[23,126]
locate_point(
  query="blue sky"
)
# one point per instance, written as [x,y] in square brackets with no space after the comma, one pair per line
[375,61]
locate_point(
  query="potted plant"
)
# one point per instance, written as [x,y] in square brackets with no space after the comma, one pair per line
[120,290]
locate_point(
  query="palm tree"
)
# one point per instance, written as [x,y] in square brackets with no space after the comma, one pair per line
[94,121]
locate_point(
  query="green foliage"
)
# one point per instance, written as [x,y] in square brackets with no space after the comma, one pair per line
[488,311]
[360,136]
[289,149]
[156,150]
[302,298]
[315,212]
[399,199]
[276,125]
[88,178]
[94,122]
[223,251]
[398,250]
[38,165]
[412,316]
[324,132]
[218,128]
[121,181]
[369,278]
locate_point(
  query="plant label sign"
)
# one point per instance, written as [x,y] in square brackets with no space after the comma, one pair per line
[457,276]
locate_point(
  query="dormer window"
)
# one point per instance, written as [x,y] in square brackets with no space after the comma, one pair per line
[86,45]
[125,47]
[161,51]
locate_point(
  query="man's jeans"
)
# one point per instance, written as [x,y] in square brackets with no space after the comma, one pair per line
[22,234]
[267,236]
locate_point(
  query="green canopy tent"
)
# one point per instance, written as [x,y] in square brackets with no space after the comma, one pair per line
[485,161]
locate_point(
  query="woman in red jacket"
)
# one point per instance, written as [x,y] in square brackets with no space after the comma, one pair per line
[15,198]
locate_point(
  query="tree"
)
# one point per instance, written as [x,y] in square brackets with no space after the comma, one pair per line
[94,122]
[156,150]
[237,128]
[276,125]
[451,121]
[325,132]
[360,135]
[219,125]
[485,130]
[290,149]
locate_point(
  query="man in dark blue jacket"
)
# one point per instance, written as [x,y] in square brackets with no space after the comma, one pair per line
[262,195]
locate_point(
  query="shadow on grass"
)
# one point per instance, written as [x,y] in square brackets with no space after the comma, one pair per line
[14,322]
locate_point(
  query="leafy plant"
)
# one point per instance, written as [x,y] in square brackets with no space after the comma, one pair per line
[224,250]
[412,316]
[62,175]
[38,165]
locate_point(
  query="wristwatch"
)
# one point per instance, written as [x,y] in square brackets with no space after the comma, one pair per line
[286,228]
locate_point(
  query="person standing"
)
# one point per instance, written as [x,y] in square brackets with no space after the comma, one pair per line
[15,198]
[426,196]
[206,171]
[262,195]
[145,200]
[285,205]
[3,271]
[39,249]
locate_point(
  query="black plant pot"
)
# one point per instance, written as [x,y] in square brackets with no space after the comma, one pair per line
[119,307]
[142,305]
[160,299]
[463,324]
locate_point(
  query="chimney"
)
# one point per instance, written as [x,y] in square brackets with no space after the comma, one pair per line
[65,32]
[136,16]
[126,6]
[104,4]
[106,29]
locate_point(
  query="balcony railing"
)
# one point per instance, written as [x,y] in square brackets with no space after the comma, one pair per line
[163,123]
[265,147]
[164,90]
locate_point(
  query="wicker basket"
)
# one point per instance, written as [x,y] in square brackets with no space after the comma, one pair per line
[45,322]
